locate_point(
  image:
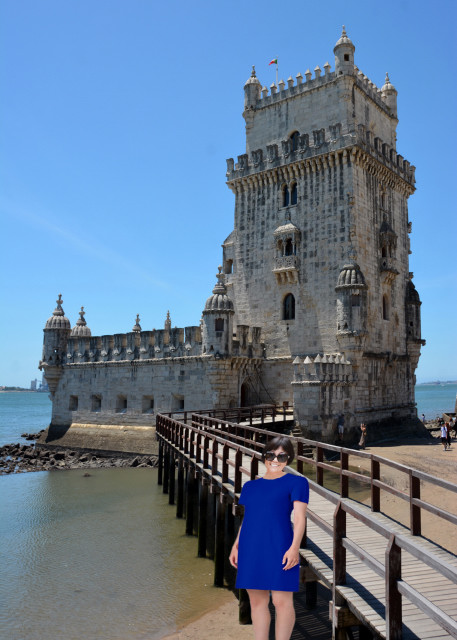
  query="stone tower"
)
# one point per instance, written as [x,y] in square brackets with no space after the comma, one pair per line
[217,326]
[319,255]
[56,333]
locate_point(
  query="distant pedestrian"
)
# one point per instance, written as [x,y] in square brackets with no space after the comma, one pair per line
[423,418]
[363,436]
[444,436]
[340,426]
[448,434]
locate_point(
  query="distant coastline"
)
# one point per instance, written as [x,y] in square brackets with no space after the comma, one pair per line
[436,382]
[20,390]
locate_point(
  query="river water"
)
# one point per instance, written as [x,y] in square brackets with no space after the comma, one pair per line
[99,557]
[102,557]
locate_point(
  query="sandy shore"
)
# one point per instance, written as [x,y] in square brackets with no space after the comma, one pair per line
[427,456]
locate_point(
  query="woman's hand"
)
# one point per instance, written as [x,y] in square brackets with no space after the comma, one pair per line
[291,558]
[233,557]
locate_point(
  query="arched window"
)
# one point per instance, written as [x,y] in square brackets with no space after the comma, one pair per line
[289,307]
[294,140]
[293,193]
[219,324]
[289,248]
[385,307]
[285,196]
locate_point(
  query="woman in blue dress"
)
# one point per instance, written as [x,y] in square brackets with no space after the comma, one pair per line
[266,550]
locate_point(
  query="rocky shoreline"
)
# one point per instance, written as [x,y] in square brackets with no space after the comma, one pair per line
[21,458]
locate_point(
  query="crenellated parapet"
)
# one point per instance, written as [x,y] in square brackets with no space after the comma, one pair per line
[319,150]
[323,369]
[247,342]
[135,345]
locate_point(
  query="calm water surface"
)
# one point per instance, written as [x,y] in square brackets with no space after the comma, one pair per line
[99,557]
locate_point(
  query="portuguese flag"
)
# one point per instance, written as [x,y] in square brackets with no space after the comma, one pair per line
[274,61]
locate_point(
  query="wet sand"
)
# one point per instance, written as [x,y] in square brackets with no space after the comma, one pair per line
[424,455]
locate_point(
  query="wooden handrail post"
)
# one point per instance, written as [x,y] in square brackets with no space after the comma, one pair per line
[214,457]
[393,596]
[225,455]
[205,452]
[339,564]
[415,511]
[344,480]
[319,470]
[238,463]
[254,467]
[299,453]
[375,491]
[339,552]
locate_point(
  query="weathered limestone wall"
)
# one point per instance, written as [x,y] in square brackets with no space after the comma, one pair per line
[121,393]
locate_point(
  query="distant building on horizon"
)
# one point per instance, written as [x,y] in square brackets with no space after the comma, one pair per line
[314,305]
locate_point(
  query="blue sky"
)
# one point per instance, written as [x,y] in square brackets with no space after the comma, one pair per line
[117,118]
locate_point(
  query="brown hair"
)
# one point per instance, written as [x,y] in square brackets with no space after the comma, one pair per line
[280,441]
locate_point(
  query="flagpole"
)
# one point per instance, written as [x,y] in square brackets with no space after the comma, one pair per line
[277,85]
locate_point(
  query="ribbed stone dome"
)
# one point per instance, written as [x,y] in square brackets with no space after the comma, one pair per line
[58,320]
[351,276]
[387,86]
[81,330]
[253,78]
[219,301]
[344,40]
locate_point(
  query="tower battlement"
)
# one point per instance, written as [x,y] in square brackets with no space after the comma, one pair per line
[330,141]
[276,93]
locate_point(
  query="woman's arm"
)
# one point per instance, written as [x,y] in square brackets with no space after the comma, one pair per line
[291,557]
[233,557]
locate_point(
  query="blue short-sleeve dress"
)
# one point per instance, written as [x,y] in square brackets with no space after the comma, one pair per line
[267,533]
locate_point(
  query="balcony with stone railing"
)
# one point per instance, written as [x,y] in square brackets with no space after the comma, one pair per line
[285,269]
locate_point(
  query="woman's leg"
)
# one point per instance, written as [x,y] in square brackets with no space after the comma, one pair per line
[260,613]
[285,614]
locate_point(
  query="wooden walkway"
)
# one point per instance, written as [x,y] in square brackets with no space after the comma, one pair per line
[382,575]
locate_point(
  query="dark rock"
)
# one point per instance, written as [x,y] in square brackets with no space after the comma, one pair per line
[135,462]
[59,455]
[87,475]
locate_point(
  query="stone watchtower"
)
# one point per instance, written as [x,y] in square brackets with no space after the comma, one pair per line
[217,321]
[56,333]
[319,254]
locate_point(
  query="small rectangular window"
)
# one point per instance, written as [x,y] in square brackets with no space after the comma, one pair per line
[147,404]
[73,406]
[96,403]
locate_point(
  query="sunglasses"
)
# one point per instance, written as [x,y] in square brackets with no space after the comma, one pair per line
[281,457]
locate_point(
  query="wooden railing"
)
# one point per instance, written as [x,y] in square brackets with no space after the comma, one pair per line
[215,446]
[239,414]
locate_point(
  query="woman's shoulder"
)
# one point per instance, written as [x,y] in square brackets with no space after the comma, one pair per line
[297,481]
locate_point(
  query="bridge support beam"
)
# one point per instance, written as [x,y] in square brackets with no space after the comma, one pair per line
[160,469]
[219,551]
[244,612]
[202,518]
[180,496]
[166,471]
[172,472]
[190,490]
[211,525]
